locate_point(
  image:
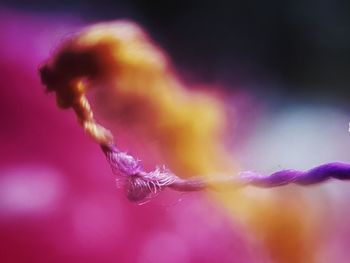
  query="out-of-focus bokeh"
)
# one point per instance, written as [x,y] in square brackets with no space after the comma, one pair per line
[283,67]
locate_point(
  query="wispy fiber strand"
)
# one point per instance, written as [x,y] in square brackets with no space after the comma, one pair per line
[86,58]
[140,184]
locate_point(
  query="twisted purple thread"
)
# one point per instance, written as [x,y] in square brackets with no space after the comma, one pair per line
[140,185]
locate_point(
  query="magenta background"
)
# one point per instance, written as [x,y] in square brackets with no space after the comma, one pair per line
[58,200]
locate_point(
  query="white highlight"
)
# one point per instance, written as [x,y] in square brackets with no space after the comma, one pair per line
[29,190]
[299,137]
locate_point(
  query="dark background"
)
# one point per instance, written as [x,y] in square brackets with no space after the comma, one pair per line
[297,49]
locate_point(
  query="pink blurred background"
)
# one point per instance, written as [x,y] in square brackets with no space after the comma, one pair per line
[58,199]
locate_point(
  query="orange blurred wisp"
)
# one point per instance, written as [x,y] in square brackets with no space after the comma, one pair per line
[136,80]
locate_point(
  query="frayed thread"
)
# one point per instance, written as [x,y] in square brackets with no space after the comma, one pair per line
[141,186]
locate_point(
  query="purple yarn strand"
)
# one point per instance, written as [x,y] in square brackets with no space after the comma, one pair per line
[140,184]
[319,174]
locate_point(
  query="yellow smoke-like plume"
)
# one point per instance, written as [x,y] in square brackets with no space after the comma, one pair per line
[137,80]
